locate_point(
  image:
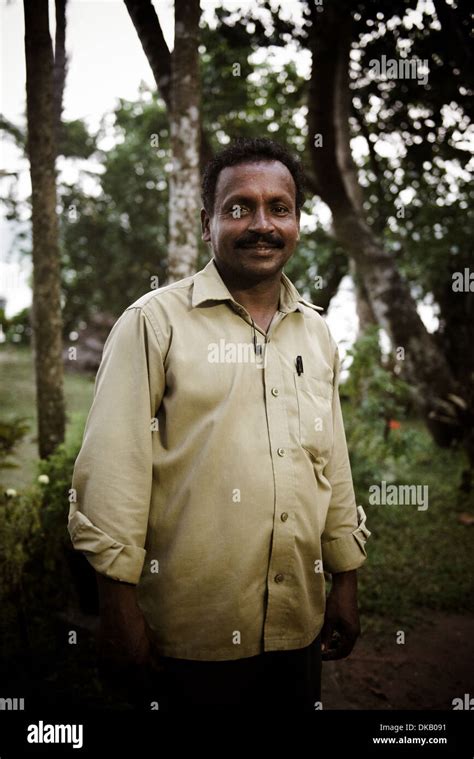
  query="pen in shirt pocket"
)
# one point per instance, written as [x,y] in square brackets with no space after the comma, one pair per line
[299,365]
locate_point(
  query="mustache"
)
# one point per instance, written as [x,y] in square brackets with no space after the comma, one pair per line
[250,240]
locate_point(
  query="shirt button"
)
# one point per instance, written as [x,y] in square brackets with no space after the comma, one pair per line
[281,452]
[275,391]
[279,578]
[284,516]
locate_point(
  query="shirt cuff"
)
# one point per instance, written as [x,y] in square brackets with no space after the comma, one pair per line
[107,555]
[348,552]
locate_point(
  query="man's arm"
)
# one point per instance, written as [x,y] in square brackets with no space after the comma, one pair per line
[123,632]
[126,657]
[341,621]
[343,543]
[112,482]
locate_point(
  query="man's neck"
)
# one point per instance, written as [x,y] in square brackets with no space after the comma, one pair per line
[261,299]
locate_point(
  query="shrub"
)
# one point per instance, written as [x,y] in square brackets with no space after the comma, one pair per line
[376,408]
[33,524]
[17,329]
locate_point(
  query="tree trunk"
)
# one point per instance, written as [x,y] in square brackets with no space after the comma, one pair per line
[364,309]
[184,200]
[392,304]
[333,273]
[47,318]
[60,68]
[150,34]
[154,46]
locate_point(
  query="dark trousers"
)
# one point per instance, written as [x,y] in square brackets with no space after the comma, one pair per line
[286,680]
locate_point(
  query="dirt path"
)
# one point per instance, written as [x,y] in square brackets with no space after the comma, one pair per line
[433,666]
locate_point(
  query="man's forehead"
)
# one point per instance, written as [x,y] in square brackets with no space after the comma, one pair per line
[242,175]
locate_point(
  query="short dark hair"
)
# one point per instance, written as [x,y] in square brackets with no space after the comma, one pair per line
[248,150]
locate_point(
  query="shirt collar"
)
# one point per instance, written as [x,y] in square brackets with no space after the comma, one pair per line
[209,285]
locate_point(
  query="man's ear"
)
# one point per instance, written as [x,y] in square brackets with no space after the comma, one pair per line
[298,223]
[205,225]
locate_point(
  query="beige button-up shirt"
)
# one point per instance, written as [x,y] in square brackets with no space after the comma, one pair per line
[214,472]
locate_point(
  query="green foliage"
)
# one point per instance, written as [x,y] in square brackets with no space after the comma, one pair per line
[34,531]
[378,402]
[75,140]
[11,433]
[318,255]
[33,524]
[19,528]
[417,559]
[18,514]
[17,328]
[115,240]
[57,469]
[372,385]
[249,101]
[13,132]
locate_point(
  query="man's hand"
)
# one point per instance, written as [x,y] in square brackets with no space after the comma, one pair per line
[124,641]
[341,626]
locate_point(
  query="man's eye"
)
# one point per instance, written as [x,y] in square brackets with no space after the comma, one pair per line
[280,209]
[238,210]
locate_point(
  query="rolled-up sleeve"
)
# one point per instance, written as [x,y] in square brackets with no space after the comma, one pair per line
[345,532]
[112,476]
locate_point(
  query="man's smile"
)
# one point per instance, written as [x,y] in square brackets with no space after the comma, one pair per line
[260,246]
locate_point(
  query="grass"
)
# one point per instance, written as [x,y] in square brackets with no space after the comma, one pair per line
[17,398]
[417,560]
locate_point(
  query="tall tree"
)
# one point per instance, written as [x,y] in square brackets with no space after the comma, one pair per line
[41,145]
[60,67]
[150,34]
[438,392]
[184,201]
[178,81]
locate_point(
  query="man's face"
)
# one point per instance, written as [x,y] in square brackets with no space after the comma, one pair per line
[255,226]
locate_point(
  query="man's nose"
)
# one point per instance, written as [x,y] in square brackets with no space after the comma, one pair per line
[261,221]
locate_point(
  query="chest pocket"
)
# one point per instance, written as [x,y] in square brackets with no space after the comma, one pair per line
[315,414]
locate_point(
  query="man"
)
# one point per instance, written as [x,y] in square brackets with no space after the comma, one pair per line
[214,489]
